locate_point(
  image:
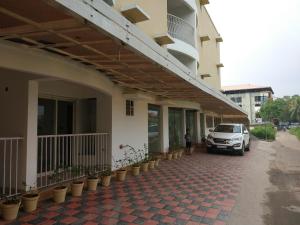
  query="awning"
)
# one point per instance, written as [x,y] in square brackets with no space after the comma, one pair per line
[94,34]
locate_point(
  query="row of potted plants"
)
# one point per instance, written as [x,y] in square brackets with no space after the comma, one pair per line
[136,160]
[10,204]
[175,154]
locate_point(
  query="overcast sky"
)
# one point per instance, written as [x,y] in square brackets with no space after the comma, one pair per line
[261,42]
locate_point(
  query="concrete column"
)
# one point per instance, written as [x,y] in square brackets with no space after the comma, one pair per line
[31,147]
[183,124]
[198,127]
[164,129]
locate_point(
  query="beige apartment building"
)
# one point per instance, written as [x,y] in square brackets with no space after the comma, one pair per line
[249,97]
[78,78]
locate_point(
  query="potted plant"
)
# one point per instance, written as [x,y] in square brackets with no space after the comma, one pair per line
[106,177]
[121,165]
[180,152]
[170,155]
[10,207]
[92,178]
[151,162]
[59,192]
[77,185]
[175,154]
[30,198]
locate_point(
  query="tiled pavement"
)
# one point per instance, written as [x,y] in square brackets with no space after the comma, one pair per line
[197,189]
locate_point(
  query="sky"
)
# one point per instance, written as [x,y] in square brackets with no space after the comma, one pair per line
[261,42]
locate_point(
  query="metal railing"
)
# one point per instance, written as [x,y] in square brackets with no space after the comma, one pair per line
[10,148]
[180,29]
[69,156]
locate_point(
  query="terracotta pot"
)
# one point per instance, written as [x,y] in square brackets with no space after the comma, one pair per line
[29,202]
[157,162]
[169,156]
[92,184]
[180,153]
[10,211]
[136,170]
[77,188]
[145,167]
[105,181]
[151,164]
[121,175]
[175,155]
[59,194]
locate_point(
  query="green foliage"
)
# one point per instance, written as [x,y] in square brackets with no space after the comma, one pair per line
[296,132]
[266,132]
[285,109]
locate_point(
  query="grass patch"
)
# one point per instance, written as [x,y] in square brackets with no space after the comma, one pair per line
[264,132]
[296,132]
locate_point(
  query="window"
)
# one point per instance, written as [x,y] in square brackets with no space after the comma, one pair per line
[129,108]
[258,98]
[228,129]
[237,99]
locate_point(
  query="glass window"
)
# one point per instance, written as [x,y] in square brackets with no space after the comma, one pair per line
[129,108]
[154,128]
[228,129]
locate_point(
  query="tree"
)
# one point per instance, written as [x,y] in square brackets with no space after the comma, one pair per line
[294,108]
[275,109]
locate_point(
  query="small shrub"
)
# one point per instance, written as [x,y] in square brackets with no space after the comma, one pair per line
[264,132]
[296,132]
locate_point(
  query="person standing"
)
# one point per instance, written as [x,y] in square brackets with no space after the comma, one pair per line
[188,141]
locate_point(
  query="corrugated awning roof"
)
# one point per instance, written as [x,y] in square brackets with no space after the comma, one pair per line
[84,32]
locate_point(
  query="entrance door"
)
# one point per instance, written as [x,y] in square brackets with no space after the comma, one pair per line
[191,124]
[202,125]
[154,128]
[54,118]
[175,127]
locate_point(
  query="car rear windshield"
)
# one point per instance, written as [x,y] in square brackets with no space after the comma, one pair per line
[228,129]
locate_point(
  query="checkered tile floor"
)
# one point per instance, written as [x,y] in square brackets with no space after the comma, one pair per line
[197,189]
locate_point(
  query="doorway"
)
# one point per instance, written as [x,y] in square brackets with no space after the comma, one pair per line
[154,128]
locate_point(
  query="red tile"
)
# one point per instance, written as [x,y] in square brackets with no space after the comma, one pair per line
[129,218]
[184,216]
[69,220]
[168,219]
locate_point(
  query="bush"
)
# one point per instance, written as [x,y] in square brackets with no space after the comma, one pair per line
[296,132]
[264,132]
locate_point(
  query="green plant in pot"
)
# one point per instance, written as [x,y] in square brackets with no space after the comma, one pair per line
[135,159]
[106,177]
[59,192]
[77,185]
[170,154]
[152,161]
[30,198]
[10,207]
[92,177]
[121,165]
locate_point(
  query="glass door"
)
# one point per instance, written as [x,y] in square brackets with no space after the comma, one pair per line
[191,124]
[54,118]
[175,127]
[154,128]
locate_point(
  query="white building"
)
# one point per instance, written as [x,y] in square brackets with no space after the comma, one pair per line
[80,78]
[249,97]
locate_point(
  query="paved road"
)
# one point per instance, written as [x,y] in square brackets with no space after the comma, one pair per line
[270,189]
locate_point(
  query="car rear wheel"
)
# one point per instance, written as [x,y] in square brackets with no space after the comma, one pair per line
[248,147]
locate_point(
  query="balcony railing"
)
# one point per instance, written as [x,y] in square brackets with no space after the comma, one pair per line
[180,29]
[70,155]
[10,149]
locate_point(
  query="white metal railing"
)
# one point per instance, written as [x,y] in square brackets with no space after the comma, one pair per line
[180,29]
[69,156]
[10,148]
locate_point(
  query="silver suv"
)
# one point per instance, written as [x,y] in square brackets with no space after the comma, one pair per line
[228,137]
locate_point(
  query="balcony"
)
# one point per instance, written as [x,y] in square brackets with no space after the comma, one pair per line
[180,29]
